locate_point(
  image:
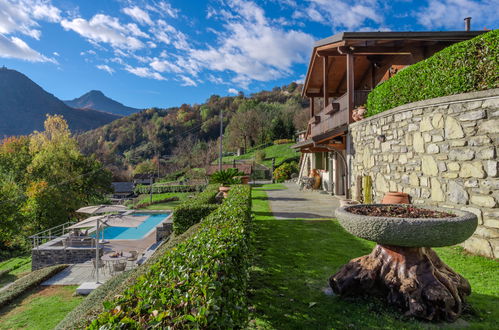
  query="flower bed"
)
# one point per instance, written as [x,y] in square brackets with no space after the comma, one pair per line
[202,283]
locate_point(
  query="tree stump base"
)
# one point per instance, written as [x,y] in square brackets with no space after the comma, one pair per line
[413,279]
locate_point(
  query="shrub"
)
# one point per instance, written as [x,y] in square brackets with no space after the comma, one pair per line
[467,66]
[92,306]
[146,203]
[27,282]
[260,156]
[226,177]
[161,189]
[284,171]
[193,210]
[283,141]
[202,283]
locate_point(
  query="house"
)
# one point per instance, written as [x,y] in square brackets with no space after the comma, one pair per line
[343,69]
[145,179]
[122,189]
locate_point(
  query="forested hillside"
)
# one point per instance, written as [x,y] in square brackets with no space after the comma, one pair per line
[186,136]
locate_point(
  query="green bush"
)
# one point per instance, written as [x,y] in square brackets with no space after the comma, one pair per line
[226,177]
[160,189]
[146,202]
[92,306]
[201,283]
[467,66]
[284,171]
[283,141]
[27,282]
[191,211]
[260,156]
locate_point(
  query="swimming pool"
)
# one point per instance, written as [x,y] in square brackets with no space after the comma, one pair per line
[153,219]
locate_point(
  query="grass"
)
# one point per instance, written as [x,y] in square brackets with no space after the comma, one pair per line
[20,266]
[167,205]
[281,152]
[294,258]
[39,308]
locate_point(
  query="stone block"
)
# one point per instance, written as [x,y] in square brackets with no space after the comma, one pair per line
[485,201]
[418,142]
[492,223]
[403,159]
[426,137]
[490,183]
[491,167]
[437,138]
[429,166]
[453,166]
[471,183]
[476,211]
[425,124]
[412,127]
[438,120]
[472,115]
[479,246]
[481,140]
[486,232]
[472,170]
[461,154]
[458,143]
[437,193]
[450,175]
[456,193]
[486,153]
[432,148]
[489,127]
[453,129]
[491,103]
[442,167]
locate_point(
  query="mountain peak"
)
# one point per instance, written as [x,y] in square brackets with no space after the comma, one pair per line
[96,100]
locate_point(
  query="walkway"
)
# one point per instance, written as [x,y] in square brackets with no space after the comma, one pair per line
[292,203]
[77,274]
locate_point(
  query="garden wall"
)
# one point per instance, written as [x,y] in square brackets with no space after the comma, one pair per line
[441,151]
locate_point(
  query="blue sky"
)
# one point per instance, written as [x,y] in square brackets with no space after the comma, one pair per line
[168,52]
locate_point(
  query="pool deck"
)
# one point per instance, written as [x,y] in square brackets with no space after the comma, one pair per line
[77,274]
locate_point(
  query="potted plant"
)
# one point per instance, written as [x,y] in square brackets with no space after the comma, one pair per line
[225,178]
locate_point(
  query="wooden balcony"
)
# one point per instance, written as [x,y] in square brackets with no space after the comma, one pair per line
[336,114]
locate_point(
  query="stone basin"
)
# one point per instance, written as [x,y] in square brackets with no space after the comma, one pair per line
[409,232]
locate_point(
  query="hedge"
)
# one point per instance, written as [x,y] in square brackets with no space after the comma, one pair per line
[467,66]
[201,283]
[26,282]
[147,202]
[141,189]
[191,211]
[92,306]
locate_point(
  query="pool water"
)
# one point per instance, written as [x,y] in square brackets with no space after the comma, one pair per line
[139,232]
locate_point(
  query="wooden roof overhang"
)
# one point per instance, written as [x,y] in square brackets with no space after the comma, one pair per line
[334,139]
[381,49]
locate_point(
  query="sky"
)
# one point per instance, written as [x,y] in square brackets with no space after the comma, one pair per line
[163,53]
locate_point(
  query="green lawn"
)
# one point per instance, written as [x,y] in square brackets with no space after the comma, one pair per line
[281,152]
[19,265]
[294,259]
[39,308]
[167,205]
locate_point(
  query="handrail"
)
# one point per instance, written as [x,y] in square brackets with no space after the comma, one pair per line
[49,234]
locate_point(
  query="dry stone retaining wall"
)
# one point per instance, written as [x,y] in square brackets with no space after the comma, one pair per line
[442,152]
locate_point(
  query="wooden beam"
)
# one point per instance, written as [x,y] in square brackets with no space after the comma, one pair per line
[350,85]
[325,80]
[312,107]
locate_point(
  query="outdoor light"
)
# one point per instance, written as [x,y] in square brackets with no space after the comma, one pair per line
[381,138]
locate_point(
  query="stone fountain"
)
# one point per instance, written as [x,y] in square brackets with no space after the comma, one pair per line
[402,266]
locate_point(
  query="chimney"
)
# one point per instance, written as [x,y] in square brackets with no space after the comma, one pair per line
[467,24]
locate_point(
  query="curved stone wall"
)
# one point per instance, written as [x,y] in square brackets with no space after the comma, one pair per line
[442,152]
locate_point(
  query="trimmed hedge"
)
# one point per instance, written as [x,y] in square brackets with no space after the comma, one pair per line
[193,210]
[92,306]
[142,189]
[471,65]
[25,283]
[201,283]
[159,201]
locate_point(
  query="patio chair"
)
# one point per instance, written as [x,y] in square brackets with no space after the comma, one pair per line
[102,266]
[119,266]
[133,258]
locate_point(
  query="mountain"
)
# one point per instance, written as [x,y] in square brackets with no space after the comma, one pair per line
[96,100]
[24,105]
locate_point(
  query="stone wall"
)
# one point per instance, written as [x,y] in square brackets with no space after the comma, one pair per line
[442,152]
[47,256]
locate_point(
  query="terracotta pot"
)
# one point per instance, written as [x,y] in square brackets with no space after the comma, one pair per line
[245,179]
[224,190]
[394,197]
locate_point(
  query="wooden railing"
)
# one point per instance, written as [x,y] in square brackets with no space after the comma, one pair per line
[336,114]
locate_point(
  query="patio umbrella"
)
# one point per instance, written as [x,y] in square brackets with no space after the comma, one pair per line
[99,209]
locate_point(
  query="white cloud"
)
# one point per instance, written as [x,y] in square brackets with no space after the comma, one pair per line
[106,68]
[55,54]
[187,81]
[163,8]
[138,15]
[22,15]
[165,66]
[16,48]
[106,29]
[232,91]
[252,47]
[342,14]
[449,14]
[144,72]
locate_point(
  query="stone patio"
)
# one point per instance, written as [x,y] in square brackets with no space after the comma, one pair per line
[291,203]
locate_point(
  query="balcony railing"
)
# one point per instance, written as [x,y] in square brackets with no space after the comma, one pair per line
[336,114]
